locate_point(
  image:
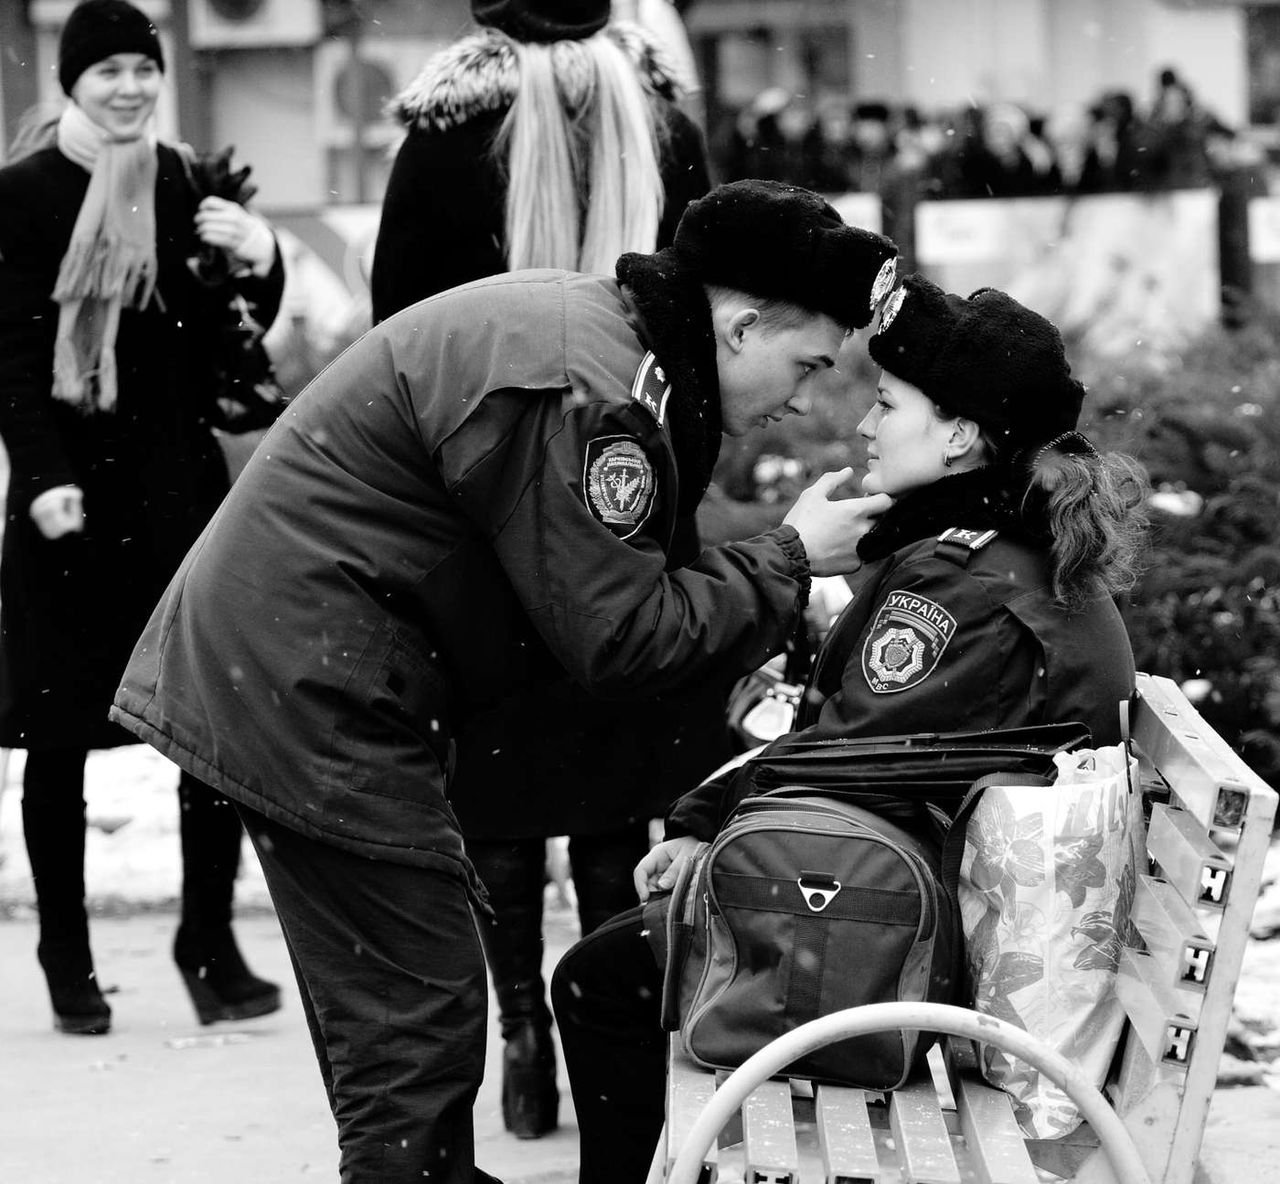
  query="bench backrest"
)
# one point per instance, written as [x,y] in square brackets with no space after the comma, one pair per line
[1209,827]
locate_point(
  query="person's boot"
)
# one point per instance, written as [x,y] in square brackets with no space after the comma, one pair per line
[530,1100]
[78,1006]
[219,982]
[514,874]
[221,986]
[53,829]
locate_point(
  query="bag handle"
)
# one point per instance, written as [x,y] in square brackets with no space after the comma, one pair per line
[953,851]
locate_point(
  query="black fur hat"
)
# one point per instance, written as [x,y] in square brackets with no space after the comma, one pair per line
[543,20]
[98,28]
[987,358]
[781,242]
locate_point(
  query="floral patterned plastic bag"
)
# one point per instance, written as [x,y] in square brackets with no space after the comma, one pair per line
[1046,884]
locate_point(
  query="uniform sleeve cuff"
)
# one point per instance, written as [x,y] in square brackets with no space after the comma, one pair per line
[797,560]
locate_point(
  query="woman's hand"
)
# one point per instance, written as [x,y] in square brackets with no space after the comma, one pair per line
[659,870]
[222,223]
[58,511]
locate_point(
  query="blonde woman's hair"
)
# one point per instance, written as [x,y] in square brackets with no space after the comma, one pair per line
[583,184]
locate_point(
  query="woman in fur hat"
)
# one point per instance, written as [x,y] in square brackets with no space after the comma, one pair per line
[547,138]
[106,347]
[986,600]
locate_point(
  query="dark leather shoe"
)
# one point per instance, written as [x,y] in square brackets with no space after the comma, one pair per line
[221,986]
[530,1100]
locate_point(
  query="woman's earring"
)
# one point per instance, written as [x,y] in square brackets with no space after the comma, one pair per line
[946,459]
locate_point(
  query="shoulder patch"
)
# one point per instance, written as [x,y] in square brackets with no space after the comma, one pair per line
[651,388]
[905,642]
[973,540]
[618,483]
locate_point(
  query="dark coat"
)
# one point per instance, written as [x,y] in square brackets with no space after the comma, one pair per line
[442,216]
[466,503]
[561,761]
[151,471]
[949,636]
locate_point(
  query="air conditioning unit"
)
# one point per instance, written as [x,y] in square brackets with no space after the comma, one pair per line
[382,70]
[253,24]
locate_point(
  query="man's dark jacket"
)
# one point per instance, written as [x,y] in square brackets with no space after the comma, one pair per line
[441,517]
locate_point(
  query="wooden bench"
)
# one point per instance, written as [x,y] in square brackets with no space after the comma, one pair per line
[1209,826]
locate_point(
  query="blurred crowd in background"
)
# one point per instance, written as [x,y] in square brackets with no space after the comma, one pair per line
[1120,143]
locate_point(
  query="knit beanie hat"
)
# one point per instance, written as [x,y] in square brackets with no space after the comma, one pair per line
[987,358]
[98,28]
[543,20]
[781,242]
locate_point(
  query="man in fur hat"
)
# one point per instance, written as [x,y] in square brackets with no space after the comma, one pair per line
[478,497]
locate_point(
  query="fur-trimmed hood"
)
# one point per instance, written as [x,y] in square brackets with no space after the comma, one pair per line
[477,75]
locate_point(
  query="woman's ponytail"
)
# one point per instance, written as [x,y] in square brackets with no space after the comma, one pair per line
[1095,508]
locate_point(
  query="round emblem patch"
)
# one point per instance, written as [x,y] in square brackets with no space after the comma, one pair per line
[892,307]
[618,483]
[884,281]
[906,640]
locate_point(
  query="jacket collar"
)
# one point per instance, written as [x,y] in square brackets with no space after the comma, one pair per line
[989,498]
[673,318]
[479,73]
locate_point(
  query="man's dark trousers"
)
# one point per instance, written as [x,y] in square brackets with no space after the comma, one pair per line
[393,985]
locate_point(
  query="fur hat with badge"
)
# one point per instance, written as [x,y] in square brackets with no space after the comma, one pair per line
[778,242]
[96,29]
[987,358]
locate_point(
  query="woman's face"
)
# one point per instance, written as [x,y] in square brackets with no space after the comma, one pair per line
[119,93]
[906,439]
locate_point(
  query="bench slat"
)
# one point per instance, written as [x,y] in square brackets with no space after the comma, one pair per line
[769,1136]
[997,1146]
[1173,934]
[1161,1017]
[1187,858]
[924,1146]
[845,1138]
[1190,756]
[689,1089]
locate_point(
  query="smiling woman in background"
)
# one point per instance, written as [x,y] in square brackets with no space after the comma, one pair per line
[107,397]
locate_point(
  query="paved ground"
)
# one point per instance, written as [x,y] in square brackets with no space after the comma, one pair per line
[163,1100]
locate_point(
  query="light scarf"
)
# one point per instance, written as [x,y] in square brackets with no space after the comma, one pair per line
[110,262]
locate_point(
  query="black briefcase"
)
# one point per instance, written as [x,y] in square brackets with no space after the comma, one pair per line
[924,767]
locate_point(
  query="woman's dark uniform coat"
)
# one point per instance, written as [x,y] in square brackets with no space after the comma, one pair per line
[953,619]
[560,761]
[151,471]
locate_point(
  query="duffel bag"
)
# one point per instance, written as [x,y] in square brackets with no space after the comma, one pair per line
[804,905]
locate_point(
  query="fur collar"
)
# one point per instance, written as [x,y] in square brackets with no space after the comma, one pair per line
[981,499]
[477,75]
[674,320]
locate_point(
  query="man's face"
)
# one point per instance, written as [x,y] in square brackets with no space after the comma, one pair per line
[767,373]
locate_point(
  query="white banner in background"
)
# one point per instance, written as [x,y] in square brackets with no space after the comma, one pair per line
[858,209]
[1114,271]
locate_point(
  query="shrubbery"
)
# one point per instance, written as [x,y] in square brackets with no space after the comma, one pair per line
[1207,427]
